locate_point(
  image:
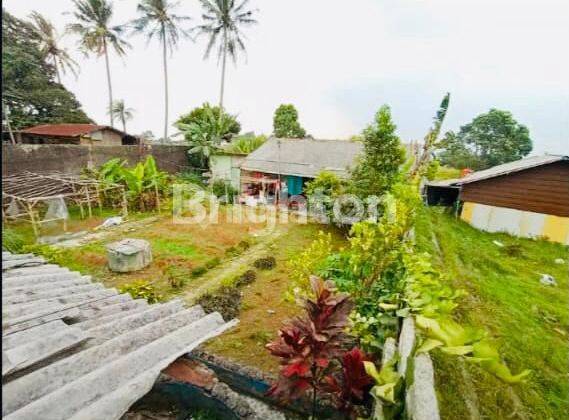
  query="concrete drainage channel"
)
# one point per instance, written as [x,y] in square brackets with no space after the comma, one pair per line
[198,382]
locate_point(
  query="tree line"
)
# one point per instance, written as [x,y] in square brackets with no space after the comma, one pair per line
[222,23]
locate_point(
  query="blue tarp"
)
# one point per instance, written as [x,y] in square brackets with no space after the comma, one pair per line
[294,185]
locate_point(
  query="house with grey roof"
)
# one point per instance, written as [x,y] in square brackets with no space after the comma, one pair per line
[287,164]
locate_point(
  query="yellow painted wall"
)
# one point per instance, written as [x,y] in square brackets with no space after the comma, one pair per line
[516,222]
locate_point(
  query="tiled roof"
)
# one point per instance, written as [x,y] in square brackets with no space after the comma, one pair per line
[66,130]
[73,349]
[499,170]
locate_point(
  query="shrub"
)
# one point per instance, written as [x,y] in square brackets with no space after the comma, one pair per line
[191,178]
[513,250]
[198,271]
[314,352]
[247,277]
[226,300]
[224,190]
[49,253]
[266,263]
[141,290]
[12,241]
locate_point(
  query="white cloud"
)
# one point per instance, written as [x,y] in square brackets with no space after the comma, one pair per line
[338,61]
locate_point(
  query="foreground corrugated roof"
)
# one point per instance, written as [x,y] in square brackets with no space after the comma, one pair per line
[73,349]
[499,170]
[303,157]
[67,130]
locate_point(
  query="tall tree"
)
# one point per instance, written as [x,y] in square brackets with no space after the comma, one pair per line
[96,34]
[490,139]
[285,123]
[222,23]
[29,89]
[378,167]
[158,20]
[429,143]
[122,112]
[50,48]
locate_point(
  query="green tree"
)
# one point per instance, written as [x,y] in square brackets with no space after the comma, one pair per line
[50,48]
[490,139]
[223,21]
[96,34]
[122,112]
[202,116]
[158,20]
[378,168]
[285,123]
[206,133]
[29,88]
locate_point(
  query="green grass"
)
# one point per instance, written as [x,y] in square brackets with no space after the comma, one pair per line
[528,321]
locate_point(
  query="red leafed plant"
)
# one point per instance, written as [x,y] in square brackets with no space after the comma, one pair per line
[314,352]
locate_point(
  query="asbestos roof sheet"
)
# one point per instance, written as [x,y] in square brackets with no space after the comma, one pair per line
[74,349]
[303,157]
[499,170]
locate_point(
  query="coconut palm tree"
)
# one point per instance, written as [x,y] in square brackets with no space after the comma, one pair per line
[50,48]
[222,23]
[122,112]
[96,34]
[158,20]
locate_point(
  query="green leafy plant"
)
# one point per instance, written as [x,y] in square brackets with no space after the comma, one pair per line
[212,263]
[388,386]
[49,253]
[12,241]
[224,190]
[308,262]
[246,144]
[141,290]
[144,182]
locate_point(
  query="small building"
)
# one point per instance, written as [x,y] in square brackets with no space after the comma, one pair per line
[226,165]
[85,134]
[527,198]
[294,162]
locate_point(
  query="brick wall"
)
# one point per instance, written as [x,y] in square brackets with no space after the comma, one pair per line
[43,158]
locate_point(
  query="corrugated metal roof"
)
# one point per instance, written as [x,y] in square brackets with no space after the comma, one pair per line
[499,170]
[303,157]
[66,130]
[73,349]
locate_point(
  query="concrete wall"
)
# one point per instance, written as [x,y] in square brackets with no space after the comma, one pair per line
[72,159]
[516,222]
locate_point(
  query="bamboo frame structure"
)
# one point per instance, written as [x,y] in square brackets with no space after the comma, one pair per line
[30,191]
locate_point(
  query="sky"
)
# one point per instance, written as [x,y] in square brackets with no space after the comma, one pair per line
[338,61]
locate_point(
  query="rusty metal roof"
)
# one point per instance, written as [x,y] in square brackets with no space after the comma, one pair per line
[74,349]
[66,130]
[499,170]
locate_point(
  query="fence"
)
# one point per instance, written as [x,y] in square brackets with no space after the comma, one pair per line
[43,158]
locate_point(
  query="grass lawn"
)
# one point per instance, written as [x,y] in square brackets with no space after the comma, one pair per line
[529,321]
[185,246]
[263,307]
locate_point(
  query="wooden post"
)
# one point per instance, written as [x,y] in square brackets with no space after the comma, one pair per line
[88,202]
[32,219]
[157,197]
